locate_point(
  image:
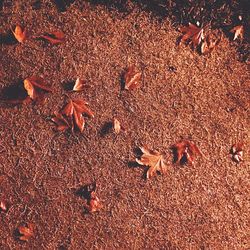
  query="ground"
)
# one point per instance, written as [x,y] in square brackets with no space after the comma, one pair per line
[183,96]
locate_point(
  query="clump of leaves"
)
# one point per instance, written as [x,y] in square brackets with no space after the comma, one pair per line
[185,152]
[132,78]
[238,32]
[34,86]
[210,42]
[192,34]
[237,152]
[20,34]
[55,37]
[25,232]
[154,160]
[71,115]
[3,206]
[93,202]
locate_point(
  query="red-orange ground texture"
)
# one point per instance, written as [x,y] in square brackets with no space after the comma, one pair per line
[183,95]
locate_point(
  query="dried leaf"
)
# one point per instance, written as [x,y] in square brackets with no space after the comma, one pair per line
[26,231]
[55,37]
[93,204]
[34,85]
[117,126]
[73,115]
[132,78]
[192,34]
[20,34]
[238,32]
[237,152]
[185,151]
[210,42]
[62,123]
[154,160]
[78,85]
[3,206]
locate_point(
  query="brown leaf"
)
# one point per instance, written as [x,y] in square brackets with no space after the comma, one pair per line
[3,206]
[154,160]
[185,151]
[20,34]
[132,78]
[55,37]
[26,231]
[78,86]
[210,42]
[237,152]
[117,126]
[93,204]
[192,34]
[72,111]
[62,123]
[34,85]
[238,32]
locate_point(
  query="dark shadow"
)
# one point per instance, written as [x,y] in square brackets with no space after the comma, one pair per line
[86,190]
[183,161]
[122,81]
[36,5]
[172,69]
[63,4]
[106,128]
[68,85]
[8,39]
[14,93]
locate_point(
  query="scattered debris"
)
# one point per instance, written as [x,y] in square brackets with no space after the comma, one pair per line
[237,152]
[55,37]
[20,34]
[25,232]
[116,126]
[238,32]
[132,78]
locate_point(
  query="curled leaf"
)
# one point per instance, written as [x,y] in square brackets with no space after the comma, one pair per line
[117,126]
[237,152]
[3,206]
[185,151]
[55,37]
[193,34]
[132,78]
[78,86]
[154,160]
[209,43]
[238,32]
[20,34]
[26,232]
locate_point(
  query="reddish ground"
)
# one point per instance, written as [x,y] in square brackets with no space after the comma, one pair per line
[206,99]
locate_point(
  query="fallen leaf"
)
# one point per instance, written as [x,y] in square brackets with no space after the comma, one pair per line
[71,115]
[20,34]
[117,126]
[185,151]
[34,85]
[154,160]
[78,86]
[62,123]
[26,232]
[93,203]
[192,34]
[132,78]
[238,32]
[3,206]
[209,43]
[237,152]
[55,37]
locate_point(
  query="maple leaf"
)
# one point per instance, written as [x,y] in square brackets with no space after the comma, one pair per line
[93,203]
[72,111]
[62,123]
[26,231]
[238,31]
[193,34]
[154,160]
[55,37]
[78,86]
[132,78]
[237,152]
[209,43]
[33,85]
[185,151]
[20,34]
